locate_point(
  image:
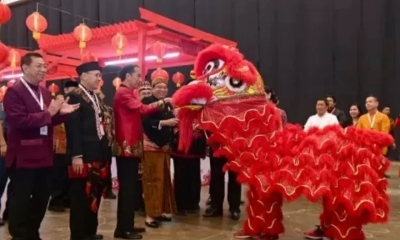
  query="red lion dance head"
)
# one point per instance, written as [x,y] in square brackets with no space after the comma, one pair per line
[227,95]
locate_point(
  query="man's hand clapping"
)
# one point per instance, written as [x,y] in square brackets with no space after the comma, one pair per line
[55,106]
[68,108]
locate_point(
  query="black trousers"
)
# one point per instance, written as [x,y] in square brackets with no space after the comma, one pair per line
[60,185]
[29,198]
[187,183]
[127,171]
[83,221]
[217,186]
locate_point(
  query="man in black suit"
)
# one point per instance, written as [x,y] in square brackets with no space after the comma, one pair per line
[89,134]
[341,116]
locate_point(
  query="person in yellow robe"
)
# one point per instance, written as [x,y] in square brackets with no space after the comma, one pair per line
[374,120]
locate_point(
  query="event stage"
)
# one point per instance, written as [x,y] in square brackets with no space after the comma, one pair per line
[299,216]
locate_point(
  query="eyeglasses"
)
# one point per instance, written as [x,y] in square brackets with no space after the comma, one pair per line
[98,75]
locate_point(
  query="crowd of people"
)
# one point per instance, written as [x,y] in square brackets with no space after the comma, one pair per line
[61,149]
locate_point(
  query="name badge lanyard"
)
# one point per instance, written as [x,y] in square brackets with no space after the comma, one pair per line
[97,110]
[371,121]
[38,100]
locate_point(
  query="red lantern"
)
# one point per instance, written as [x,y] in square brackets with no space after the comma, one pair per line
[116,82]
[119,41]
[88,57]
[10,83]
[159,50]
[14,58]
[5,13]
[4,53]
[37,24]
[192,74]
[53,88]
[159,73]
[83,34]
[178,78]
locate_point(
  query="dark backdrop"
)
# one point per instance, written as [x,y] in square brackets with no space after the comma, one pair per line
[304,49]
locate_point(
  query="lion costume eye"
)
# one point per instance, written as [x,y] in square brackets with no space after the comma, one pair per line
[213,65]
[235,85]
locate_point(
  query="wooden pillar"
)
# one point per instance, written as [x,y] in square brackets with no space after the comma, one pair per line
[142,51]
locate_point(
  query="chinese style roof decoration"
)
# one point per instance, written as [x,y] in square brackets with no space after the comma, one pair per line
[153,41]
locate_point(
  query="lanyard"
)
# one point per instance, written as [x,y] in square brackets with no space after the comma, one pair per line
[38,100]
[371,121]
[94,100]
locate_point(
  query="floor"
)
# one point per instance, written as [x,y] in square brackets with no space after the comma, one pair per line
[299,216]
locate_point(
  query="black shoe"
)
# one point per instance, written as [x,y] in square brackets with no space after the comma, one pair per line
[58,209]
[212,212]
[164,219]
[98,237]
[127,235]
[1,222]
[152,224]
[235,215]
[111,195]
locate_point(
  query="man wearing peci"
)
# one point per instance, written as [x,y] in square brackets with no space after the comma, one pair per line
[128,148]
[31,115]
[89,134]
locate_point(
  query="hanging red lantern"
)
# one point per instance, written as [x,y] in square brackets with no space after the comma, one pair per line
[116,82]
[4,53]
[88,57]
[83,34]
[159,73]
[119,41]
[14,57]
[53,88]
[37,24]
[5,13]
[192,74]
[159,50]
[10,83]
[178,78]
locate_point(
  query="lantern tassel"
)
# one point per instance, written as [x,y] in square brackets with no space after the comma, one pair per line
[36,35]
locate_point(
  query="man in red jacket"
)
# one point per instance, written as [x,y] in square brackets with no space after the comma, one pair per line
[128,147]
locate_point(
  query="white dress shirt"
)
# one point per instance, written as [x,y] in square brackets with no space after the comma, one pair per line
[320,121]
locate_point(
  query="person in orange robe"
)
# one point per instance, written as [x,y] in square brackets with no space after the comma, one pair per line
[128,147]
[375,120]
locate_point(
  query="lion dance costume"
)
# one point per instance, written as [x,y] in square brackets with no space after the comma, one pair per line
[344,168]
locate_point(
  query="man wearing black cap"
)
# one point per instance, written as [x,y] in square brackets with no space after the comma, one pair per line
[88,142]
[70,86]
